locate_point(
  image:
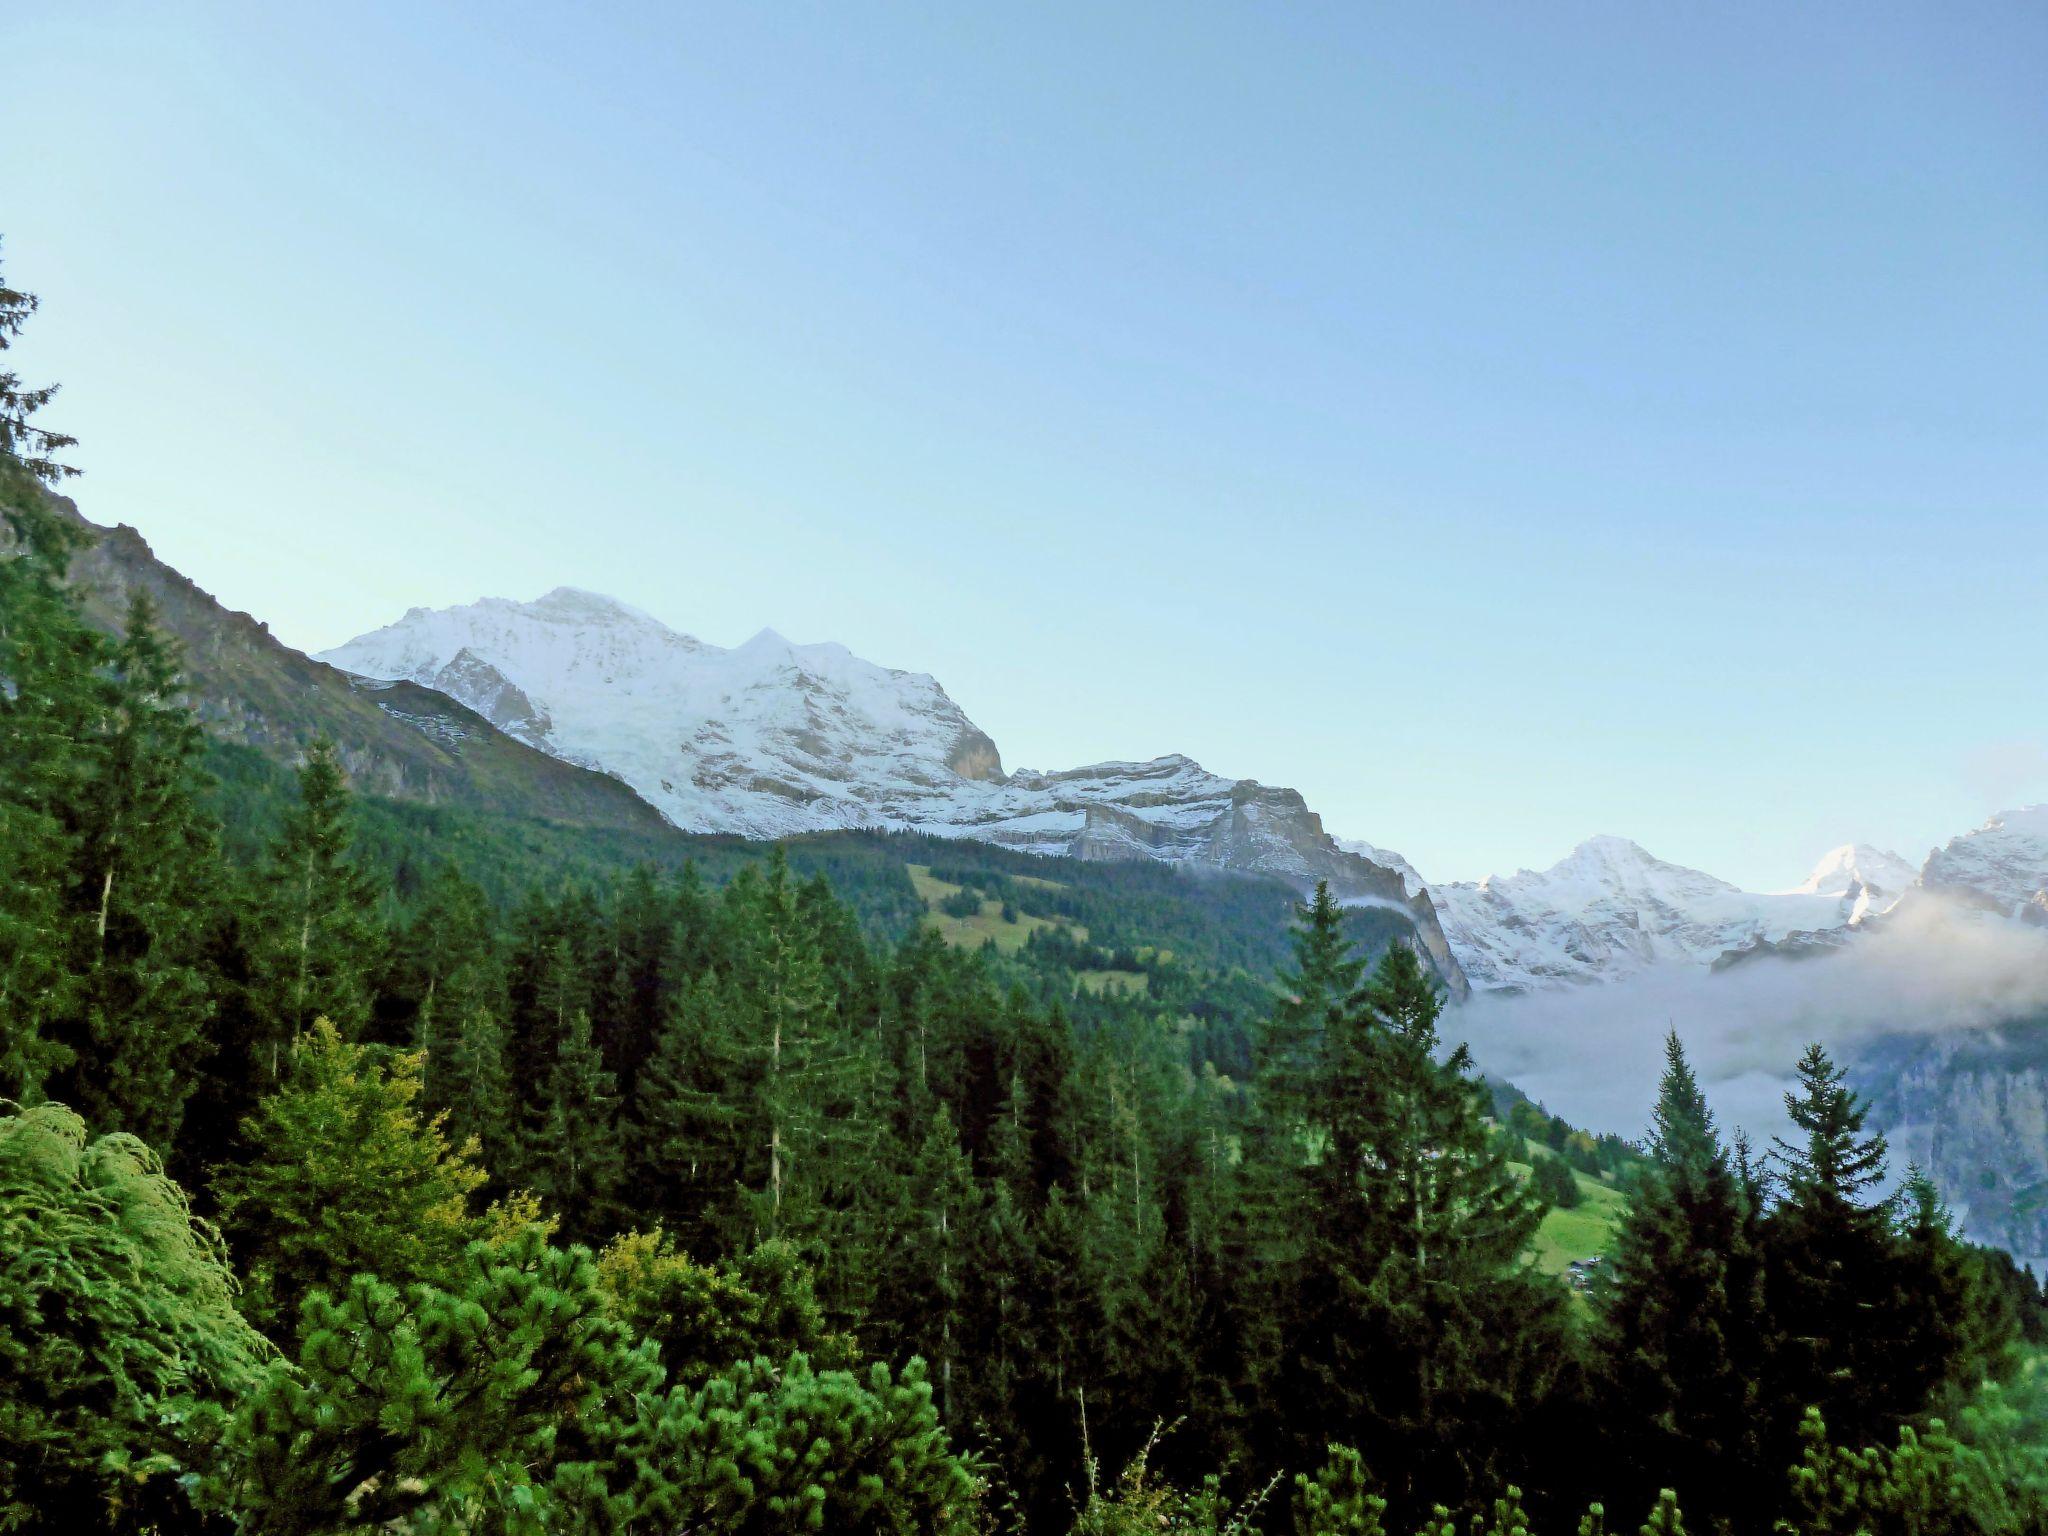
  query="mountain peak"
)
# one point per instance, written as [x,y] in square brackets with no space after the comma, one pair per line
[582,603]
[1853,865]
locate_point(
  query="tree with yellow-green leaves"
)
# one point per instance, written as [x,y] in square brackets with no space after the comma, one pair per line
[348,1177]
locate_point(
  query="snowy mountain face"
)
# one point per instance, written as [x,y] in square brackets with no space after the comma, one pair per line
[770,739]
[1857,869]
[1609,909]
[2001,867]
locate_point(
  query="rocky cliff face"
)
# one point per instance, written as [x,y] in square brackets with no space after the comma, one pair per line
[2002,866]
[1971,1107]
[401,740]
[770,738]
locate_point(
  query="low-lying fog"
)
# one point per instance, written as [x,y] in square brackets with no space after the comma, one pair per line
[1593,1054]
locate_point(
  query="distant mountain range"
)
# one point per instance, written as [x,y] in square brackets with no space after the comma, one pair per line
[772,738]
[580,711]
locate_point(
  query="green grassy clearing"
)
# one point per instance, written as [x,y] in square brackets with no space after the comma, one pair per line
[987,924]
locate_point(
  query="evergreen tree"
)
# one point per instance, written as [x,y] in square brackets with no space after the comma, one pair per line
[1416,1328]
[514,1402]
[143,888]
[1292,1065]
[685,1131]
[28,448]
[347,1179]
[468,1083]
[1681,1315]
[50,693]
[1839,1331]
[321,940]
[578,1147]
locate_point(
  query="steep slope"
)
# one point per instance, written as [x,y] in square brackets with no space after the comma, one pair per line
[774,739]
[1857,870]
[396,739]
[1609,909]
[2001,867]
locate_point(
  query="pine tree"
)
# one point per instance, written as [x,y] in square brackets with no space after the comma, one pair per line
[29,448]
[1837,1326]
[50,693]
[1679,1310]
[686,1129]
[469,1084]
[321,941]
[143,889]
[578,1147]
[347,1178]
[1416,1329]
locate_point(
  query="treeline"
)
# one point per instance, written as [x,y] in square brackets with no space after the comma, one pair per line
[688,1205]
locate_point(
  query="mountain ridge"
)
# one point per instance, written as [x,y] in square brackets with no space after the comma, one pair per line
[772,738]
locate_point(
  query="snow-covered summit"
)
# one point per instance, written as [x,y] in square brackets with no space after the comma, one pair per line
[1858,866]
[2002,865]
[765,739]
[1609,908]
[772,738]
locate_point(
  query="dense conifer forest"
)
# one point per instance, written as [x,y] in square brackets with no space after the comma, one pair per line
[368,1167]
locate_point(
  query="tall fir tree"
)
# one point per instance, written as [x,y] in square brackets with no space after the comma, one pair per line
[1837,1328]
[320,942]
[143,887]
[685,1133]
[467,1080]
[1418,1330]
[577,1145]
[50,693]
[1680,1312]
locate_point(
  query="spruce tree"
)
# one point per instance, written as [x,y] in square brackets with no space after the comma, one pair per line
[686,1131]
[1837,1327]
[321,942]
[48,693]
[143,890]
[347,1177]
[1416,1329]
[1680,1315]
[51,692]
[578,1150]
[27,446]
[467,1081]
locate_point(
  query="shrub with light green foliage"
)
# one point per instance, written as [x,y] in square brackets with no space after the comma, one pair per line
[1928,1484]
[517,1405]
[117,1315]
[1338,1500]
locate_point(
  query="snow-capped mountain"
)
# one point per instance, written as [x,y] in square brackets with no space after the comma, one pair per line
[1857,869]
[1609,909]
[2002,866]
[770,739]
[765,740]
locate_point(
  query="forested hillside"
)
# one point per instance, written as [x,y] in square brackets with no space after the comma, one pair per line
[396,1166]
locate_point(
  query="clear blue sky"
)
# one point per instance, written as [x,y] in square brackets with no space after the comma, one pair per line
[1504,423]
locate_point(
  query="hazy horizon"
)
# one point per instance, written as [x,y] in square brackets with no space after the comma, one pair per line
[1500,427]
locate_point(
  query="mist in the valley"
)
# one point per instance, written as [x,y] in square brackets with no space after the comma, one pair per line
[1593,1054]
